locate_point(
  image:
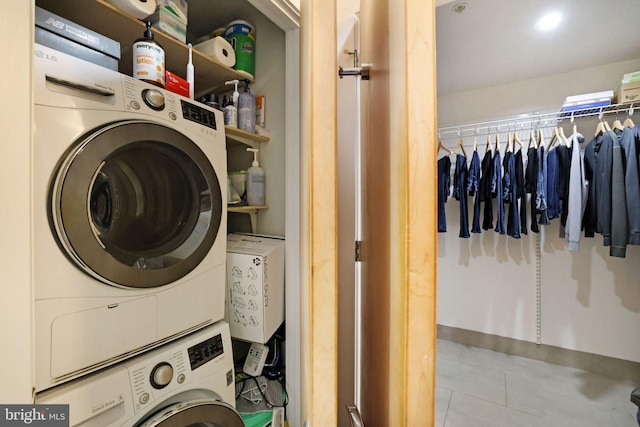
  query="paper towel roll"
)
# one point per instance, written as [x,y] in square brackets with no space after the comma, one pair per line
[137,8]
[218,48]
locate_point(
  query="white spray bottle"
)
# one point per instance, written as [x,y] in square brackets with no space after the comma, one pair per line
[255,181]
[231,110]
[190,74]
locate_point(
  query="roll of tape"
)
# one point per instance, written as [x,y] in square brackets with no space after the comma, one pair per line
[138,8]
[219,49]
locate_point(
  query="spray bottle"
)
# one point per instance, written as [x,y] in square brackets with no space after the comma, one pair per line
[230,110]
[255,181]
[247,110]
[190,73]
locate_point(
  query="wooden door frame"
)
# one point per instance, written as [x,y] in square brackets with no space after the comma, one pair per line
[411,361]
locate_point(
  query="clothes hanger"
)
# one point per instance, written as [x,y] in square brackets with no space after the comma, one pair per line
[617,125]
[517,140]
[563,138]
[475,144]
[510,142]
[489,145]
[461,147]
[601,128]
[555,136]
[442,147]
[497,143]
[628,123]
[532,139]
[540,139]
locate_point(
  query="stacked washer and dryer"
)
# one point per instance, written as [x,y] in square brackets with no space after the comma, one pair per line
[129,231]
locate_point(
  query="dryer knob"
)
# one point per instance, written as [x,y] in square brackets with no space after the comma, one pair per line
[161,375]
[153,98]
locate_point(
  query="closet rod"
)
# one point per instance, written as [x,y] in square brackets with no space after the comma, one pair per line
[529,121]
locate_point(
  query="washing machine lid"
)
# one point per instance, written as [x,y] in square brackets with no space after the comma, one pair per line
[196,413]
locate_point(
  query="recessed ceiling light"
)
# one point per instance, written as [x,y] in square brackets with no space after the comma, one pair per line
[459,7]
[549,21]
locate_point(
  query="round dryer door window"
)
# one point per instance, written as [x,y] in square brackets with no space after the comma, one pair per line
[136,204]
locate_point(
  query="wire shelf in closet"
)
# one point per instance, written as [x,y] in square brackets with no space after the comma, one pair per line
[525,122]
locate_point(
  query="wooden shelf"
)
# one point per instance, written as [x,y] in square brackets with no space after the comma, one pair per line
[243,137]
[103,18]
[245,209]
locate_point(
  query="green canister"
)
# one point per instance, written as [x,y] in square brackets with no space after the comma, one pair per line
[242,37]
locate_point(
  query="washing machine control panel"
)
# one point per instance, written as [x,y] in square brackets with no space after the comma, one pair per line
[205,351]
[153,98]
[141,97]
[161,375]
[154,375]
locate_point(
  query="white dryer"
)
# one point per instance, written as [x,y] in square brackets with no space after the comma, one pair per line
[187,382]
[129,216]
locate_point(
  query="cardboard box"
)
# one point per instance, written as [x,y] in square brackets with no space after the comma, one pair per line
[176,84]
[628,92]
[65,36]
[255,286]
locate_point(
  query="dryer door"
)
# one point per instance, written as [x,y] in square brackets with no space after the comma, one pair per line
[204,413]
[136,204]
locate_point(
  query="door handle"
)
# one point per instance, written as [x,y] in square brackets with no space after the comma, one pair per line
[362,71]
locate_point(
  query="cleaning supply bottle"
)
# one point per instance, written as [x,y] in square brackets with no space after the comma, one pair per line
[247,110]
[255,181]
[230,110]
[148,59]
[230,114]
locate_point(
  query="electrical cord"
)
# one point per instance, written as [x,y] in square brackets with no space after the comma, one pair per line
[243,381]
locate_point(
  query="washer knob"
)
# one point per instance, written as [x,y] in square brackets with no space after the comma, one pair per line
[161,375]
[153,98]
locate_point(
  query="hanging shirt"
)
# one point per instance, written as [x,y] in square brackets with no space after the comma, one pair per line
[564,167]
[531,185]
[552,172]
[520,193]
[577,194]
[604,169]
[460,193]
[444,183]
[619,236]
[509,195]
[627,141]
[496,191]
[486,179]
[590,218]
[473,187]
[541,190]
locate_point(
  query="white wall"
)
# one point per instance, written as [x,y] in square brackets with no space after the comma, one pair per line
[15,174]
[590,301]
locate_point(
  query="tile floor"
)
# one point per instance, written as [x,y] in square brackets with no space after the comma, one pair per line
[476,387]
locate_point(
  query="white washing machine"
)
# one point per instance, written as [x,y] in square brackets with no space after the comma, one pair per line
[186,382]
[129,216]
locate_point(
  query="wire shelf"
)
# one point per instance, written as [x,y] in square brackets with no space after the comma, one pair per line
[531,121]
